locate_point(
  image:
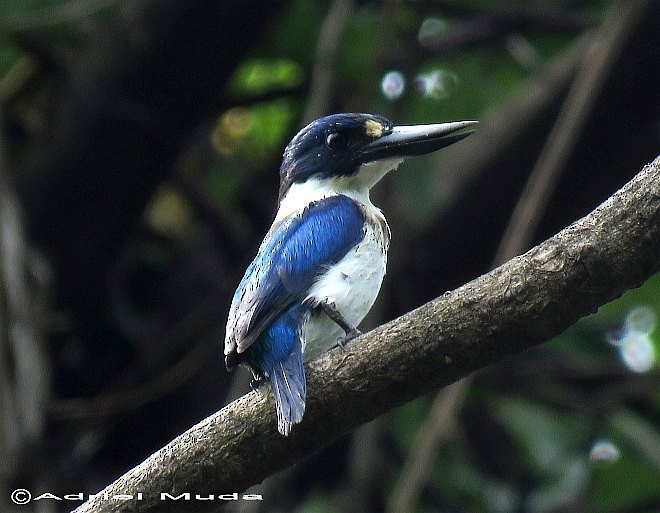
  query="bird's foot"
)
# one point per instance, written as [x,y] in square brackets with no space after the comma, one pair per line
[350,335]
[257,380]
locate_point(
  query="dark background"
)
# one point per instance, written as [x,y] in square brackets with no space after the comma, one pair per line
[139,153]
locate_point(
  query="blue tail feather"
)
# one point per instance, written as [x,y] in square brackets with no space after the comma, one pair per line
[277,354]
[289,386]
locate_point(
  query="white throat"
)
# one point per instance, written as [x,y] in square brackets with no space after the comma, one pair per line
[356,186]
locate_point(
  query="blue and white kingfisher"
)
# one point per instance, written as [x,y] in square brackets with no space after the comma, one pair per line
[320,267]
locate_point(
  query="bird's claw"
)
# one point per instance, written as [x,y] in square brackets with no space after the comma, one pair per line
[256,381]
[350,335]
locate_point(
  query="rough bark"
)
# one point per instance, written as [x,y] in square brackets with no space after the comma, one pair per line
[522,303]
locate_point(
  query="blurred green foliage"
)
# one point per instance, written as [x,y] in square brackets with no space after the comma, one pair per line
[614,313]
[553,435]
[259,76]
[8,57]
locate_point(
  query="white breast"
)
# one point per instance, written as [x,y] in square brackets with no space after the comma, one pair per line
[352,285]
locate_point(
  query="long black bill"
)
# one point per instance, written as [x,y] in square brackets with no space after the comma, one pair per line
[408,140]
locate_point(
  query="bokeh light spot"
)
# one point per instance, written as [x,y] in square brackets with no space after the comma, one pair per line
[640,319]
[436,84]
[636,351]
[604,451]
[393,85]
[430,30]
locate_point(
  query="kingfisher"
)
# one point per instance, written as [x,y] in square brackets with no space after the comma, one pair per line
[319,269]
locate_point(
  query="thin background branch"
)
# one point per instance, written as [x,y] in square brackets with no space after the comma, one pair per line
[589,82]
[24,369]
[76,10]
[326,51]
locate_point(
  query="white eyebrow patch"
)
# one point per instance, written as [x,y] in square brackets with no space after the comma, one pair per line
[373,128]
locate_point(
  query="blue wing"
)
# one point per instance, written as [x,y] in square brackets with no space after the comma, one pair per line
[291,257]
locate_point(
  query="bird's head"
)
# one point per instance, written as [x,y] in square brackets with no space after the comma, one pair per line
[354,151]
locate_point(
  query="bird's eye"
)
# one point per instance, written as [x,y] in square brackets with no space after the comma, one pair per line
[336,141]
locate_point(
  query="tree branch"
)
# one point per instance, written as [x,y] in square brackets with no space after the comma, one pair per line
[522,303]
